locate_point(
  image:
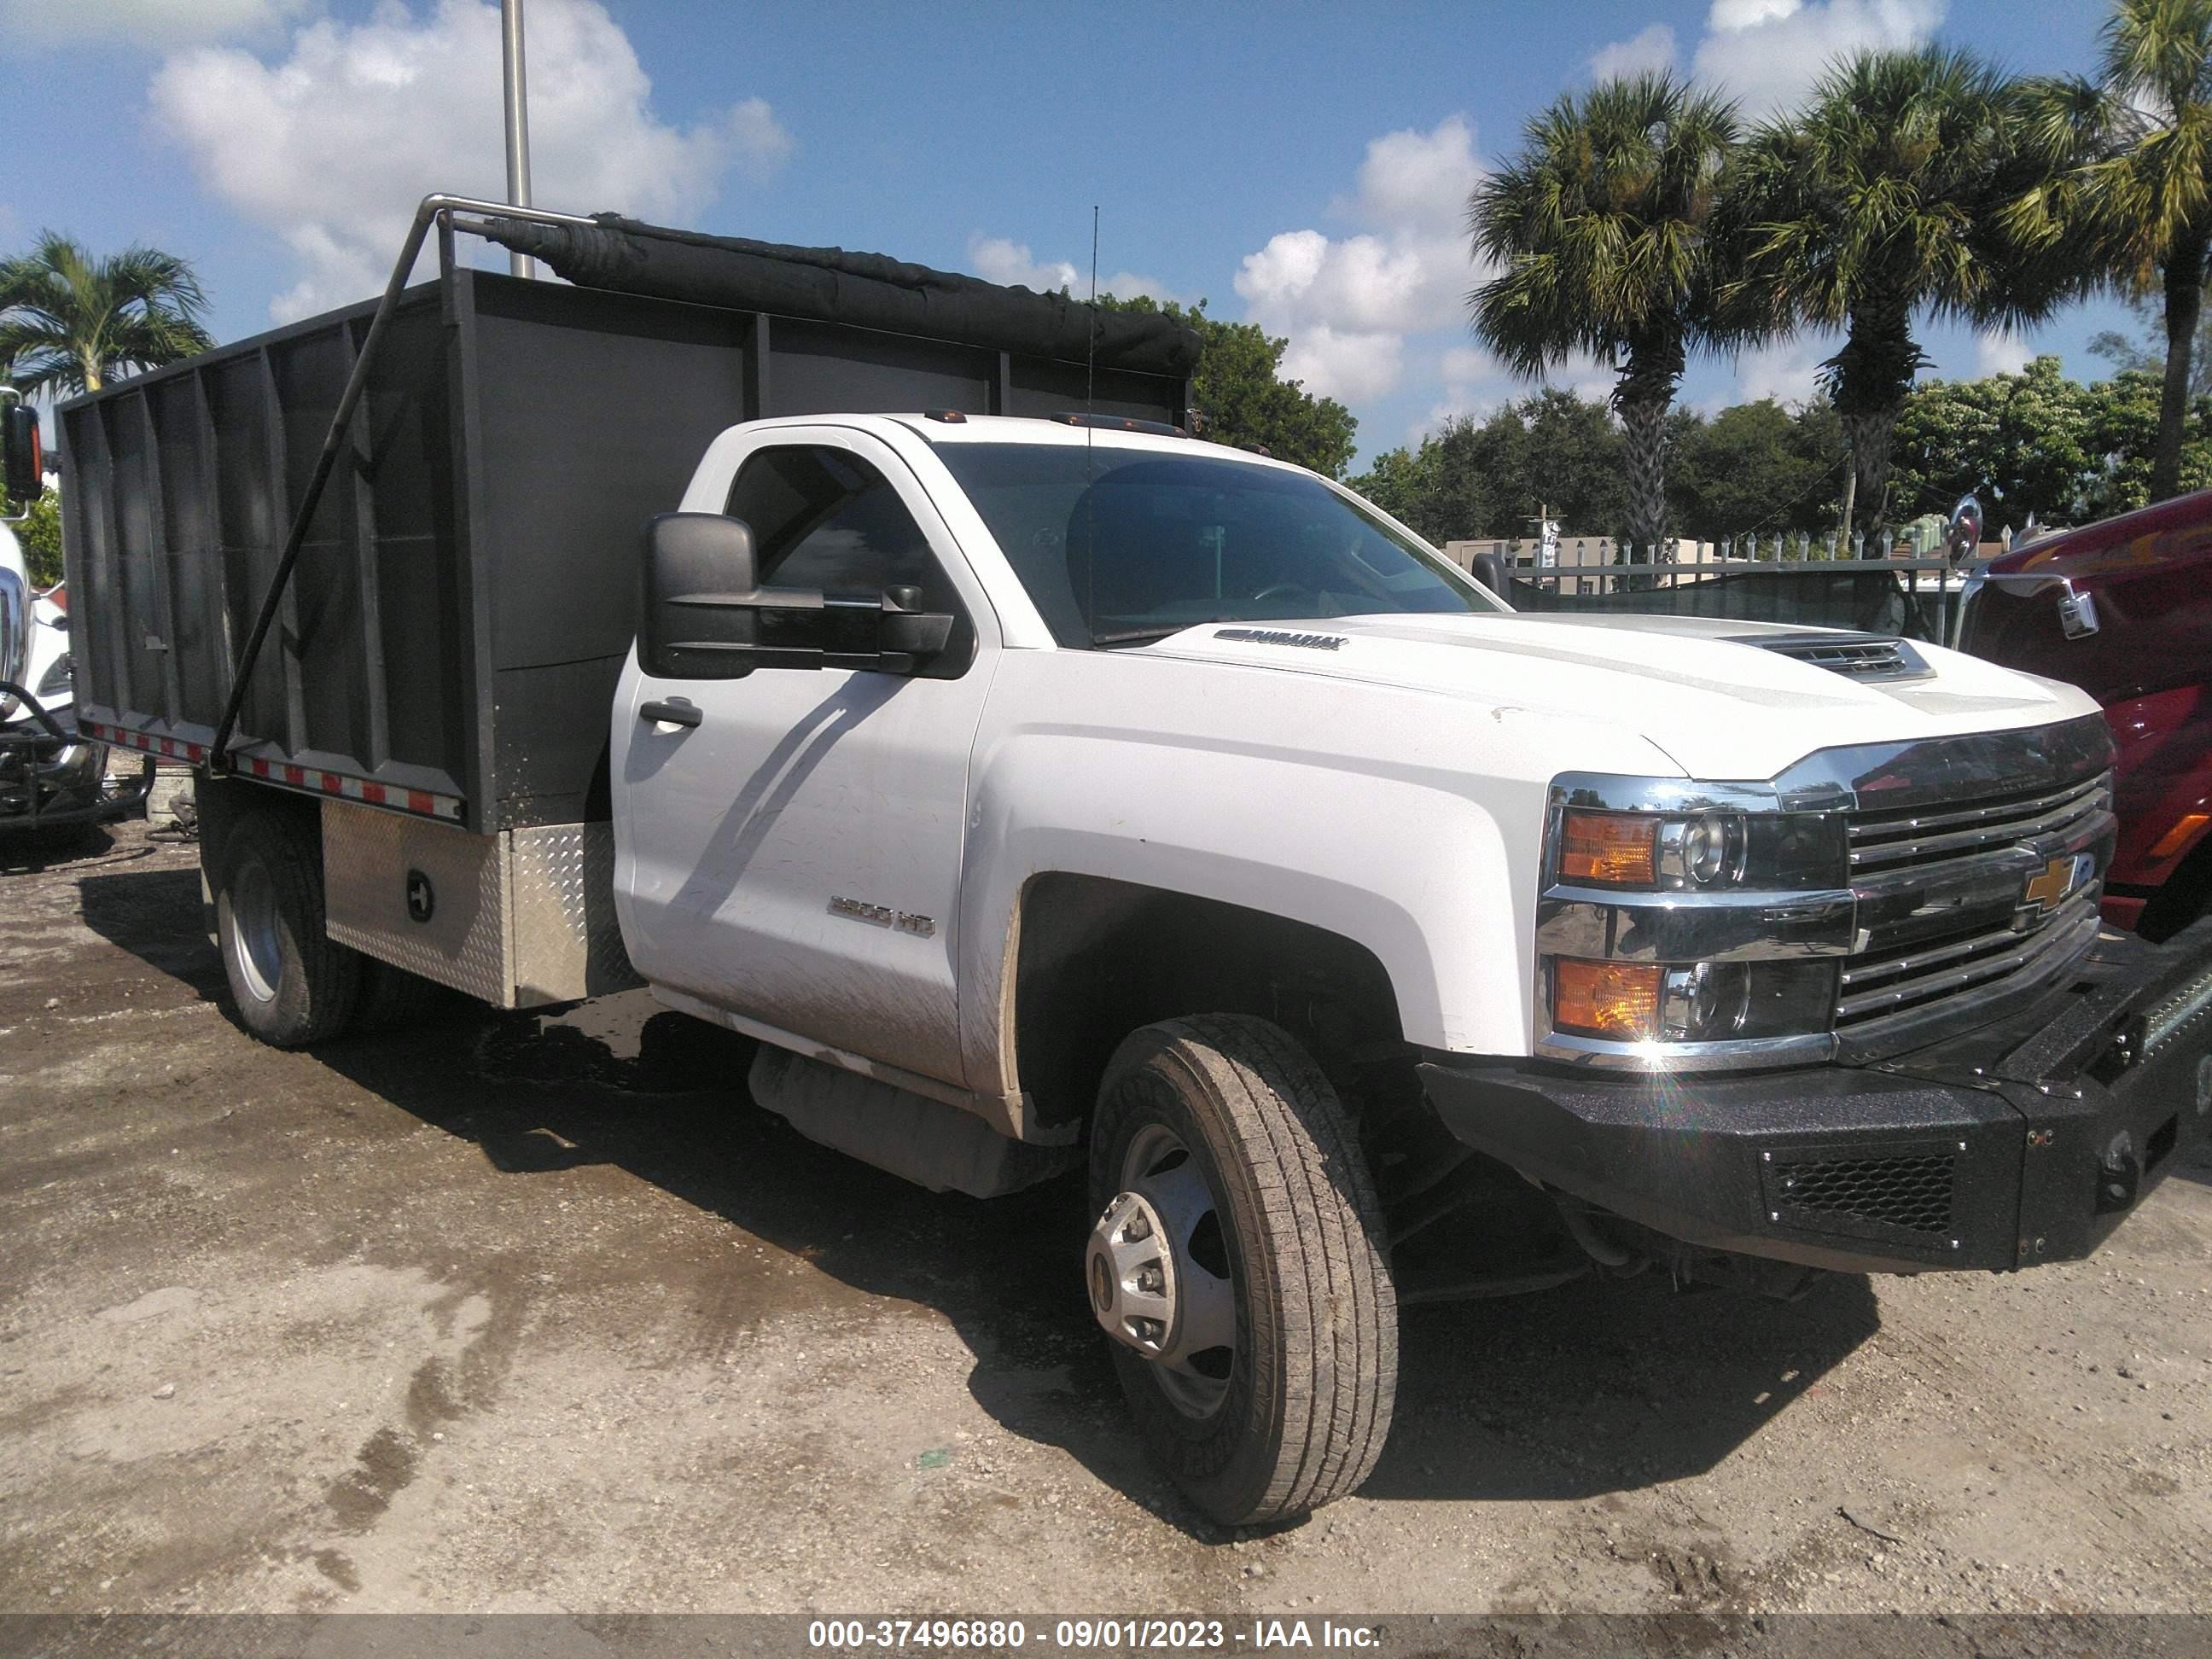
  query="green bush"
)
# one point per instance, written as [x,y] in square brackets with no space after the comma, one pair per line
[41,537]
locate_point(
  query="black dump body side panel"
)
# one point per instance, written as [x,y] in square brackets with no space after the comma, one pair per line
[467,591]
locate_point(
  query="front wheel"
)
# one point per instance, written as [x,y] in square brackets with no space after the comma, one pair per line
[1238,1264]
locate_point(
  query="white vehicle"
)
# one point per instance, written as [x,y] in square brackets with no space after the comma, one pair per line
[1048,793]
[51,776]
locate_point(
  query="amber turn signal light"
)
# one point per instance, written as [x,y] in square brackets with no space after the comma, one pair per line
[1617,1001]
[1609,850]
[2177,837]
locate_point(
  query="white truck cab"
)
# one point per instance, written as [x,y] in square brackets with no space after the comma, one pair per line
[1046,789]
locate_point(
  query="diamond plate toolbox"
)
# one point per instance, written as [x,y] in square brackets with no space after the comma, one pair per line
[516,918]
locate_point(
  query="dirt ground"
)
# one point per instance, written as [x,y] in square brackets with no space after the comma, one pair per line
[528,1312]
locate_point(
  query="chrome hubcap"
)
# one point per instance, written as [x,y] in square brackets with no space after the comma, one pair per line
[253,932]
[1159,1272]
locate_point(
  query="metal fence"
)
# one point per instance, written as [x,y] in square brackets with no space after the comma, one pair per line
[1915,599]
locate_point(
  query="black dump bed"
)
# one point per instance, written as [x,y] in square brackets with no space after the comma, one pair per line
[467,590]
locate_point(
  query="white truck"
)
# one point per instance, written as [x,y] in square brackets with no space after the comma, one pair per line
[1044,788]
[53,777]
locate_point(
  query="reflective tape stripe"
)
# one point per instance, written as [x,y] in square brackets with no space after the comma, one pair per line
[168,748]
[422,801]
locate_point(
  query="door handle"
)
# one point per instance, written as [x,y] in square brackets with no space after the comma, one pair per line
[675,712]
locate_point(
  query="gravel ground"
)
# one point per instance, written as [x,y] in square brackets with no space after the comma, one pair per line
[519,1311]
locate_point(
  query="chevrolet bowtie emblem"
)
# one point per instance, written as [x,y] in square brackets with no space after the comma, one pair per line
[2053,884]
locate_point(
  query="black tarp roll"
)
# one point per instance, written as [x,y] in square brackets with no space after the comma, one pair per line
[867,290]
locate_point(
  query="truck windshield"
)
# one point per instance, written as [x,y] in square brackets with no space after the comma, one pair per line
[1117,546]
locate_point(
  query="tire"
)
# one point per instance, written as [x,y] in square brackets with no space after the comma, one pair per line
[290,982]
[1250,1166]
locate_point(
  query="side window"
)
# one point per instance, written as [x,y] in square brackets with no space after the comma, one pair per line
[824,519]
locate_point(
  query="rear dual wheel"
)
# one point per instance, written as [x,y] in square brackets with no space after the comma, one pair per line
[1238,1264]
[292,984]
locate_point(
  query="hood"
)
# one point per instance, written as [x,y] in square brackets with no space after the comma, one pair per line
[1704,689]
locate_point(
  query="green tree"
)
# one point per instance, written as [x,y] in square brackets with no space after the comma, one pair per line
[2146,353]
[1243,397]
[2126,418]
[1402,482]
[1491,478]
[1876,204]
[2038,443]
[2025,444]
[68,320]
[2134,184]
[1756,467]
[1600,222]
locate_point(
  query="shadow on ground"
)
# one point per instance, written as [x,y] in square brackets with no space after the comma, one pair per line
[1591,1387]
[154,914]
[26,852]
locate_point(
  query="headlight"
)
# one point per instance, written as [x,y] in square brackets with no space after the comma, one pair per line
[1695,851]
[1694,1002]
[1686,924]
[55,682]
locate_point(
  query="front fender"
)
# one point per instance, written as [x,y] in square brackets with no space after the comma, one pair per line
[2162,783]
[1406,821]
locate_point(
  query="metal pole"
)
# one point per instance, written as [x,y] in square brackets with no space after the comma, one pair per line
[515,78]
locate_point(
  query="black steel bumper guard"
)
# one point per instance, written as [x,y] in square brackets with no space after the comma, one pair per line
[2025,1140]
[51,775]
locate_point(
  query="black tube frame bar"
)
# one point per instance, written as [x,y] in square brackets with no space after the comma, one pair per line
[438,209]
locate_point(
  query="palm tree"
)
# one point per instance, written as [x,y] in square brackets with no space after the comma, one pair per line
[1599,223]
[67,321]
[1875,203]
[2131,181]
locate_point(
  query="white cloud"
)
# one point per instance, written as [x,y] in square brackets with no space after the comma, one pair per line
[1346,304]
[1001,259]
[1650,49]
[146,23]
[1766,53]
[1787,372]
[1351,366]
[1747,14]
[1464,365]
[2000,354]
[332,147]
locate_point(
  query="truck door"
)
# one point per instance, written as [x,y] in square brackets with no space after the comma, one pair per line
[795,857]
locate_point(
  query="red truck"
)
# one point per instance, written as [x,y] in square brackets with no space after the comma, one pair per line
[2124,609]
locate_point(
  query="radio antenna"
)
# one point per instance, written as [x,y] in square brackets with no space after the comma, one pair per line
[1091,356]
[1089,443]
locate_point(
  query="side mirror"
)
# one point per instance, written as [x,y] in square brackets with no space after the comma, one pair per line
[698,624]
[1963,535]
[22,457]
[707,617]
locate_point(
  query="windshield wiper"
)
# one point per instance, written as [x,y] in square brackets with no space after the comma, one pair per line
[1141,635]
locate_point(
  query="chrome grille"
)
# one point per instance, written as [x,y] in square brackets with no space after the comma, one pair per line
[1872,986]
[1946,919]
[1917,836]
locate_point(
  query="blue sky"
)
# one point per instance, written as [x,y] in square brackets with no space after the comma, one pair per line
[1300,166]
